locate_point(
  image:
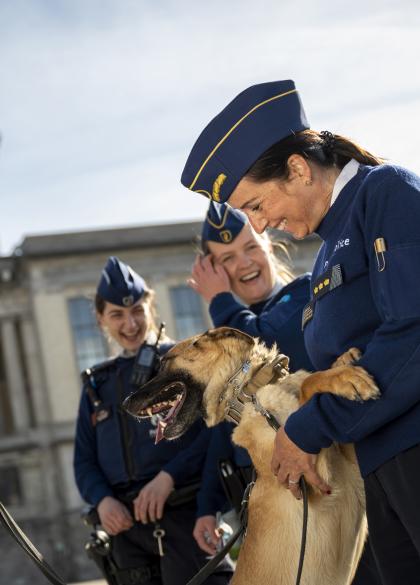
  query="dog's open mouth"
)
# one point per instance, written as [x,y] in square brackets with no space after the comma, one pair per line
[167,405]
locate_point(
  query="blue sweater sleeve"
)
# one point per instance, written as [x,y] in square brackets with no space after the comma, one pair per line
[392,356]
[92,483]
[187,465]
[278,322]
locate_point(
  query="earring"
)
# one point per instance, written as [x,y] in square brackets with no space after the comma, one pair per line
[308,182]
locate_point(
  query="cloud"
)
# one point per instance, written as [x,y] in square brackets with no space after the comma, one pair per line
[102,100]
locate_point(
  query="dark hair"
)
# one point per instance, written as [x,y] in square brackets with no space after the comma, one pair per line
[148,296]
[322,148]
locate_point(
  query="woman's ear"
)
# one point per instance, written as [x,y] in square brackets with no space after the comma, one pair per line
[298,168]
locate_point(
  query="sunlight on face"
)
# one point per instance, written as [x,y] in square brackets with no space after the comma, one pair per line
[248,262]
[296,205]
[128,326]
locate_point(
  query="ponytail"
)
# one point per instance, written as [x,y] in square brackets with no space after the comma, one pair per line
[322,148]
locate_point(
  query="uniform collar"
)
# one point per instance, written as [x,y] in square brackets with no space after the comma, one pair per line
[274,291]
[347,173]
[344,199]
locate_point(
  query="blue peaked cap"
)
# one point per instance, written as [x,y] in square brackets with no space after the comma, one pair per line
[229,145]
[119,284]
[222,223]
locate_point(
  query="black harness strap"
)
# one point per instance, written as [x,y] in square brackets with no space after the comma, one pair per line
[23,541]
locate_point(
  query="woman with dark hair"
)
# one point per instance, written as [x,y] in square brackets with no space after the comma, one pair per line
[259,155]
[144,493]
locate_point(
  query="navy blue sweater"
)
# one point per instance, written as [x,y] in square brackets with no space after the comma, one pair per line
[376,311]
[276,320]
[117,450]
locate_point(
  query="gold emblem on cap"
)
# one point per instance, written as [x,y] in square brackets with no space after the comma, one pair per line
[226,236]
[128,301]
[217,185]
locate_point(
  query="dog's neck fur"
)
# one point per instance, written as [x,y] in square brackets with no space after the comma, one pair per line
[232,386]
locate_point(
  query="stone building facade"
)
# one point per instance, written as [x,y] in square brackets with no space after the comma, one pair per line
[48,335]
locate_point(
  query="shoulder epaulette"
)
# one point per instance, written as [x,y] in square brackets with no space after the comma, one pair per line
[102,366]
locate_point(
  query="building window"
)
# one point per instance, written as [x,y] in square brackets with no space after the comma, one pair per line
[89,343]
[10,488]
[188,311]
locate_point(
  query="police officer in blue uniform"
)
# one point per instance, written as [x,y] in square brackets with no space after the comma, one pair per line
[145,493]
[248,287]
[260,155]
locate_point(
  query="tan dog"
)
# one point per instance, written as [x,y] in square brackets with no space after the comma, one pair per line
[193,382]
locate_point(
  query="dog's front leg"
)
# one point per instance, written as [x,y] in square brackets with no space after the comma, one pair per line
[351,382]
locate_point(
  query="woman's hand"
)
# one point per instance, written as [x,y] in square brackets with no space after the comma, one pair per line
[114,516]
[206,534]
[208,279]
[289,463]
[148,506]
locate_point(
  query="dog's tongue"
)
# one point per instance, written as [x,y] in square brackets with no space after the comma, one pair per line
[159,431]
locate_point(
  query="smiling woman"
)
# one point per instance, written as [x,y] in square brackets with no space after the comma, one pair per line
[119,468]
[260,155]
[253,290]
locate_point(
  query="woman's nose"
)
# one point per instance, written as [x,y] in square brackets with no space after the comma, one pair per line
[131,322]
[244,260]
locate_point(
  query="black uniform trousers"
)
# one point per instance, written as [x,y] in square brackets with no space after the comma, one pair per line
[367,572]
[393,512]
[182,558]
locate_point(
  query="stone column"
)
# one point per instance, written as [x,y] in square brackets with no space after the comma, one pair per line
[32,354]
[14,376]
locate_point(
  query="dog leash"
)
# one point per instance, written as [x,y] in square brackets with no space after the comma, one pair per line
[23,541]
[209,567]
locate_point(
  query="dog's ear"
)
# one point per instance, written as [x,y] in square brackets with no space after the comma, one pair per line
[226,332]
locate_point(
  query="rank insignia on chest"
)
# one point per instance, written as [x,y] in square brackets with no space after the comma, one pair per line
[308,313]
[328,281]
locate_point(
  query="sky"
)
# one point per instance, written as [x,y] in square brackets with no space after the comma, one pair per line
[101,100]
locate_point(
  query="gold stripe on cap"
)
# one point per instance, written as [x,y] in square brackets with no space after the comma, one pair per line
[222,223]
[275,97]
[203,192]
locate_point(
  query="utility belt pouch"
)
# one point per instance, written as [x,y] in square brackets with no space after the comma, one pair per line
[145,574]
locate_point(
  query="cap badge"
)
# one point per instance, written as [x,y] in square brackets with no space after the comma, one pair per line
[226,236]
[217,185]
[128,301]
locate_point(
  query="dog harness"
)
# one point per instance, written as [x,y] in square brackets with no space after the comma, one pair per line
[245,390]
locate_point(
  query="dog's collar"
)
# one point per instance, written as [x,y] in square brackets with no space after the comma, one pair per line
[244,390]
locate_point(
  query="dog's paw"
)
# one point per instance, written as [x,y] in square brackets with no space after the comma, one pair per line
[351,382]
[349,357]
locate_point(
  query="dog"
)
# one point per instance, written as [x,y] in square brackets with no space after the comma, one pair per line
[201,377]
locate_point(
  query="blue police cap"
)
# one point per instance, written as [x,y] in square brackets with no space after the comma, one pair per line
[229,145]
[119,284]
[222,223]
